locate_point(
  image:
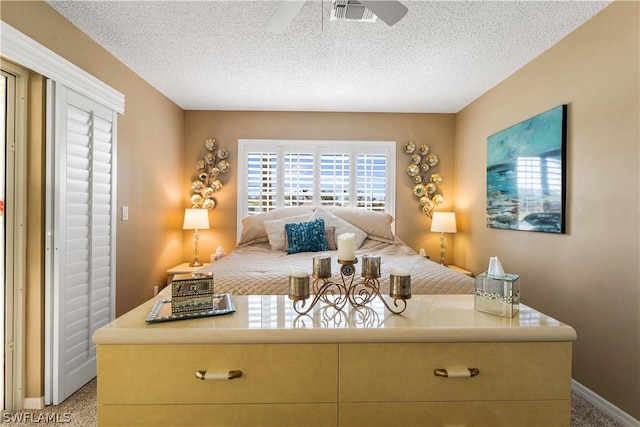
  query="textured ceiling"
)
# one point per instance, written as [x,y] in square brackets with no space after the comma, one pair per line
[215,55]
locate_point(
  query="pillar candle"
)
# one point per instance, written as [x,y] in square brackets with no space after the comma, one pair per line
[346,247]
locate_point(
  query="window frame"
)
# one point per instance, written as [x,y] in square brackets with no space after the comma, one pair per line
[316,147]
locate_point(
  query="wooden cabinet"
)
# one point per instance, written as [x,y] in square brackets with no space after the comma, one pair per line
[316,373]
[360,384]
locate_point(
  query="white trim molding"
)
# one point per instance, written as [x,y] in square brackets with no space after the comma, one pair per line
[604,405]
[34,403]
[30,54]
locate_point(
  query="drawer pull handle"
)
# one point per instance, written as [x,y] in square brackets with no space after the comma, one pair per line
[218,375]
[456,373]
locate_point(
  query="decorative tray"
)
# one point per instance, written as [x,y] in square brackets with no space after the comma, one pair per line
[161,311]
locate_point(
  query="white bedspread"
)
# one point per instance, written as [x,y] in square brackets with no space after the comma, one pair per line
[256,269]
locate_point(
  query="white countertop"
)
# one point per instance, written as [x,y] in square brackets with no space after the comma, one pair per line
[271,319]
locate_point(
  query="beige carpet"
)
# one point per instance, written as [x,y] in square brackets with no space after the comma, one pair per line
[79,410]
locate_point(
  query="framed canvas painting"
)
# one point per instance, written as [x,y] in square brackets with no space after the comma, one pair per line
[526,170]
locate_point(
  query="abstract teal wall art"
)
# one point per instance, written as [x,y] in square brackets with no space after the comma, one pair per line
[526,174]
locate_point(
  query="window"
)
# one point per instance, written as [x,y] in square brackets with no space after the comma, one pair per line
[283,173]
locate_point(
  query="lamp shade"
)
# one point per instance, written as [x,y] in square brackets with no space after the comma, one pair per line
[196,219]
[444,222]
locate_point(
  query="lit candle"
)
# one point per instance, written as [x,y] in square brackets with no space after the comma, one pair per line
[347,247]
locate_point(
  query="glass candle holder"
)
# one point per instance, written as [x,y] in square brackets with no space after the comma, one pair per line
[370,266]
[322,266]
[400,287]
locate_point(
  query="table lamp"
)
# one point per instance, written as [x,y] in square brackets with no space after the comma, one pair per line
[195,219]
[443,222]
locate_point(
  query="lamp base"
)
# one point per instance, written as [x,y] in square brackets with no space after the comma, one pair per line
[442,239]
[196,261]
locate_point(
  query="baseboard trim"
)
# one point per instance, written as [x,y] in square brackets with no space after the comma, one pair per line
[604,405]
[36,403]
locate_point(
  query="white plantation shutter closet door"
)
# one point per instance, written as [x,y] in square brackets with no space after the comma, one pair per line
[83,219]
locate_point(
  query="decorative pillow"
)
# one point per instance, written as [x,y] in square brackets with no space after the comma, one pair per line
[275,229]
[341,225]
[253,230]
[306,236]
[376,224]
[329,234]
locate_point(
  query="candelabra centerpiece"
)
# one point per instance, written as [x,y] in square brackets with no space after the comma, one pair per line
[337,293]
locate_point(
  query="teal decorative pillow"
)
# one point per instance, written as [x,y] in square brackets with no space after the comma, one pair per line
[329,234]
[306,237]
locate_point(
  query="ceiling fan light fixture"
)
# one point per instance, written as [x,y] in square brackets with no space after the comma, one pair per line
[389,12]
[351,10]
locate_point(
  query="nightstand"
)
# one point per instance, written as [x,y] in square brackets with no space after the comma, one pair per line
[182,269]
[460,270]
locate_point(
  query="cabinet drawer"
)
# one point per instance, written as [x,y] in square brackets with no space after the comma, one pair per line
[405,372]
[309,415]
[481,414]
[165,374]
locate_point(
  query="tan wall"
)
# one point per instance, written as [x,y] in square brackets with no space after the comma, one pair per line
[588,277]
[150,172]
[412,226]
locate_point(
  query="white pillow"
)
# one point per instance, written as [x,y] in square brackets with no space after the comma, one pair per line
[341,225]
[375,224]
[275,229]
[253,230]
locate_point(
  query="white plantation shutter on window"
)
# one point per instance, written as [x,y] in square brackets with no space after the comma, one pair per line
[83,267]
[371,182]
[280,174]
[335,179]
[298,179]
[262,182]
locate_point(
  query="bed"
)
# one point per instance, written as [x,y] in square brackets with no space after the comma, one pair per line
[261,262]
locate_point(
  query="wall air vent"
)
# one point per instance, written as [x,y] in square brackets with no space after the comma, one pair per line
[351,10]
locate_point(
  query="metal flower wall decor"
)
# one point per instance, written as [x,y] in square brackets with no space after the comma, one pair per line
[425,182]
[209,170]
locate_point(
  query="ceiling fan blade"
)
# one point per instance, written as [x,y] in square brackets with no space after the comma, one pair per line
[283,15]
[389,11]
